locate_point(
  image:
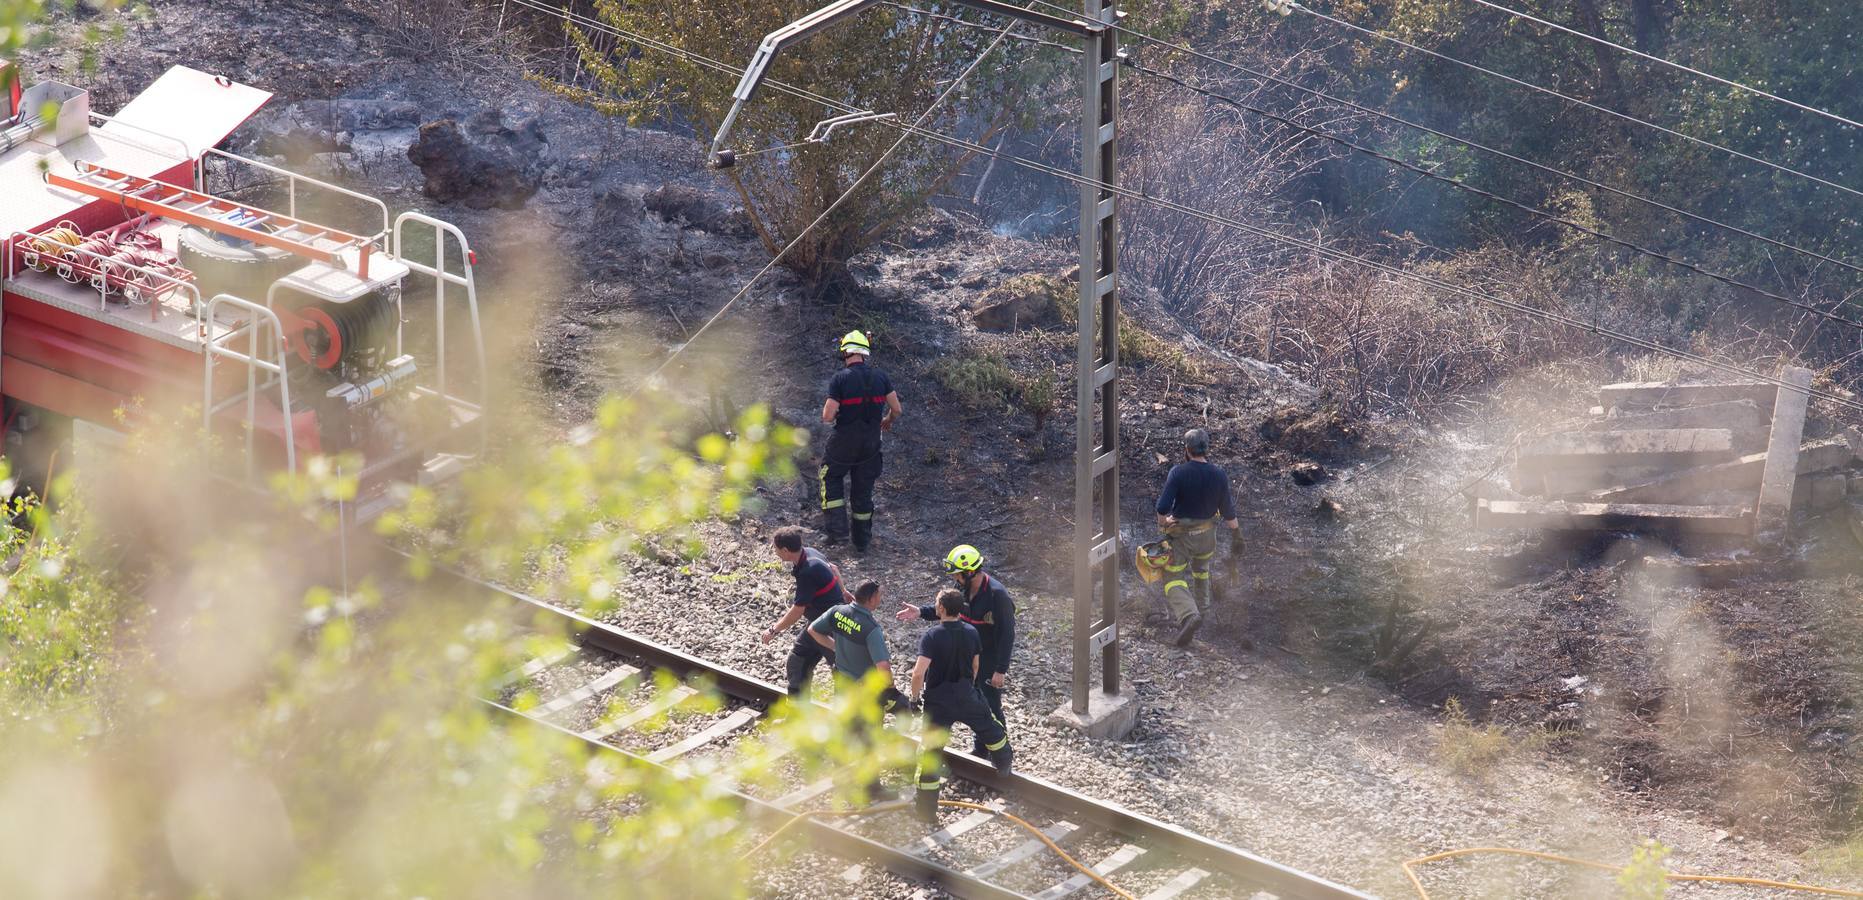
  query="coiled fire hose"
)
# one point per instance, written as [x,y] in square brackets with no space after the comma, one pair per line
[53,242]
[1422,894]
[957,804]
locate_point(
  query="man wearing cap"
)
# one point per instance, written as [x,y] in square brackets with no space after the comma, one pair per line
[861,403]
[1195,493]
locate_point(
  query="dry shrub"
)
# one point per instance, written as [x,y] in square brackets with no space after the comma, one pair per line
[460,33]
[1377,344]
[1208,154]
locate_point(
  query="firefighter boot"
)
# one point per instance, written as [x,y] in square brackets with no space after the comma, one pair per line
[863,531]
[1187,629]
[925,805]
[1004,758]
[834,525]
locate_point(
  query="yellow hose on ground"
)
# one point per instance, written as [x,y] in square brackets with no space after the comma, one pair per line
[1417,882]
[959,804]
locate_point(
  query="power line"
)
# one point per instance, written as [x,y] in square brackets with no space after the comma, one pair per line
[1490,195]
[1571,99]
[1217,219]
[1022,38]
[1467,142]
[1674,65]
[845,196]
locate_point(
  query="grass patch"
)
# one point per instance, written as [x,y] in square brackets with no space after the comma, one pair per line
[1474,749]
[984,381]
[1137,347]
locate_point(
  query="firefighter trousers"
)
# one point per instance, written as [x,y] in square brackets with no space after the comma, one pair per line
[946,705]
[850,469]
[1187,572]
[993,698]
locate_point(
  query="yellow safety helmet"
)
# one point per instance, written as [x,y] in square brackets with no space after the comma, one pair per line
[962,558]
[855,342]
[1151,559]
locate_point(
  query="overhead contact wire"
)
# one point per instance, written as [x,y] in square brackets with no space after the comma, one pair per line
[1490,195]
[1670,63]
[845,196]
[1217,219]
[1470,143]
[1699,141]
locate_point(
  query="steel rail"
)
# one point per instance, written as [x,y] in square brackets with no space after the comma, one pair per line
[837,841]
[1257,872]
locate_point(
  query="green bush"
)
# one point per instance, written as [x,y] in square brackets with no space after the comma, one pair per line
[1036,393]
[978,380]
[1645,878]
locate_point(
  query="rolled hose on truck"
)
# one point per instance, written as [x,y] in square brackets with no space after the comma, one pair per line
[344,330]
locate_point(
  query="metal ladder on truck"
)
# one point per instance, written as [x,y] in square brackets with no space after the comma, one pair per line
[317,243]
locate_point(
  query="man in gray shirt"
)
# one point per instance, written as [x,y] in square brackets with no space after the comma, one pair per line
[859,646]
[851,629]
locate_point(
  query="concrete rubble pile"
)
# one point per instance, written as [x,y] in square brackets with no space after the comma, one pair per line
[1703,459]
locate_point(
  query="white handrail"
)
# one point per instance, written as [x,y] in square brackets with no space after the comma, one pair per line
[441,278]
[292,178]
[259,315]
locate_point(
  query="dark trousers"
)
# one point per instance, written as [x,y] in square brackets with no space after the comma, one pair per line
[946,705]
[801,663]
[850,469]
[993,698]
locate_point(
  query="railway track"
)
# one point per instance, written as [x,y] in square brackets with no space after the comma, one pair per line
[977,855]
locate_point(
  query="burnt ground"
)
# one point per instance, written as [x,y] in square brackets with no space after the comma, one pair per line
[1302,723]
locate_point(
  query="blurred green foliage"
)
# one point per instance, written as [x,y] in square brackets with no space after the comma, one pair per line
[1797,49]
[185,723]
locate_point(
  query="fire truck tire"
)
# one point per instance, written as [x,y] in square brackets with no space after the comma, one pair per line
[219,268]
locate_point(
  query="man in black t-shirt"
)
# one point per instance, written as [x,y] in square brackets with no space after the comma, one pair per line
[944,679]
[988,609]
[861,403]
[818,589]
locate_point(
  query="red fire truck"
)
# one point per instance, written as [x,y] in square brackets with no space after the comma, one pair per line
[141,271]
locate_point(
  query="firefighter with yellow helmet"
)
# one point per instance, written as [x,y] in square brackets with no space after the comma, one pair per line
[989,609]
[861,404]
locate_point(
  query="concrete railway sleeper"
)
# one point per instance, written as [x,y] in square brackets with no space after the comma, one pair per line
[1172,862]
